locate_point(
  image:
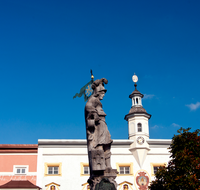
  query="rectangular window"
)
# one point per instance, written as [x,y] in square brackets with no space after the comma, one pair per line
[124,170]
[86,170]
[53,170]
[20,169]
[155,169]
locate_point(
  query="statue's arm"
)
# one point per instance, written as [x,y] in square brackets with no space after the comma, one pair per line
[92,115]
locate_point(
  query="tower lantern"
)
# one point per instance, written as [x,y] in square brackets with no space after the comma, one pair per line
[136,96]
[138,125]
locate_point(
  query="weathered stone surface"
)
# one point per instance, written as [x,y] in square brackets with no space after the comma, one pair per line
[99,140]
[98,160]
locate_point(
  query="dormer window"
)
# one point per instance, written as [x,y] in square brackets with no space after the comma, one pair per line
[20,169]
[139,125]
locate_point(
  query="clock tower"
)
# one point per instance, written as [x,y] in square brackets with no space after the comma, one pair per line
[138,125]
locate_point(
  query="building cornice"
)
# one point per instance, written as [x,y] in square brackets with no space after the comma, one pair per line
[131,115]
[42,142]
[159,141]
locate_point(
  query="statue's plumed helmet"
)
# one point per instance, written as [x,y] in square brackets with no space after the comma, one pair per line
[98,85]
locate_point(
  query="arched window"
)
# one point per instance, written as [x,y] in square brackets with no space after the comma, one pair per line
[53,187]
[125,187]
[139,125]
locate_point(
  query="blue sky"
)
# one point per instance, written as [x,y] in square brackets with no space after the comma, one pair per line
[47,49]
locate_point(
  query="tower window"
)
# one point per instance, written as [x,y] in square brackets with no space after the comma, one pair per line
[136,100]
[139,125]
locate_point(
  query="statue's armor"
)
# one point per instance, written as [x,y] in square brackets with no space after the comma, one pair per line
[94,111]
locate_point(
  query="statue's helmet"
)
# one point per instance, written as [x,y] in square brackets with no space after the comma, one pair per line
[98,86]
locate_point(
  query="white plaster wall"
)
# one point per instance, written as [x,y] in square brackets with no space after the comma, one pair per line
[132,123]
[154,159]
[40,168]
[123,159]
[131,127]
[65,151]
[71,159]
[71,167]
[159,151]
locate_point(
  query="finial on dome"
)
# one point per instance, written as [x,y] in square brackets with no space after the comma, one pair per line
[135,79]
[92,76]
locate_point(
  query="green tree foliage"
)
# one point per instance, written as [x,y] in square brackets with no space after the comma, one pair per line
[183,170]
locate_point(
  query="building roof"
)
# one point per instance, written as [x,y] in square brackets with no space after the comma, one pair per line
[137,110]
[19,184]
[18,148]
[136,92]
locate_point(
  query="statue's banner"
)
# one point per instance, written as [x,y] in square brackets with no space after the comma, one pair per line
[86,90]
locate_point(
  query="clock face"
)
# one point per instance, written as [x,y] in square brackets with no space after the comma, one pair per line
[140,140]
[135,78]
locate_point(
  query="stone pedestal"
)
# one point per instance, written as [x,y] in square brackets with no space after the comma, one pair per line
[105,181]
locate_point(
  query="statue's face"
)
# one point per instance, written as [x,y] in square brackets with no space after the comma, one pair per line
[101,95]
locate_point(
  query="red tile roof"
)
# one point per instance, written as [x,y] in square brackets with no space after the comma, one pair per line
[19,148]
[19,184]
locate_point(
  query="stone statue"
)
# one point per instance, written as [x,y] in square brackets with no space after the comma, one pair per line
[98,138]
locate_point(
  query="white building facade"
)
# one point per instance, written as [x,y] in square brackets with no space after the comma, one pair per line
[63,164]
